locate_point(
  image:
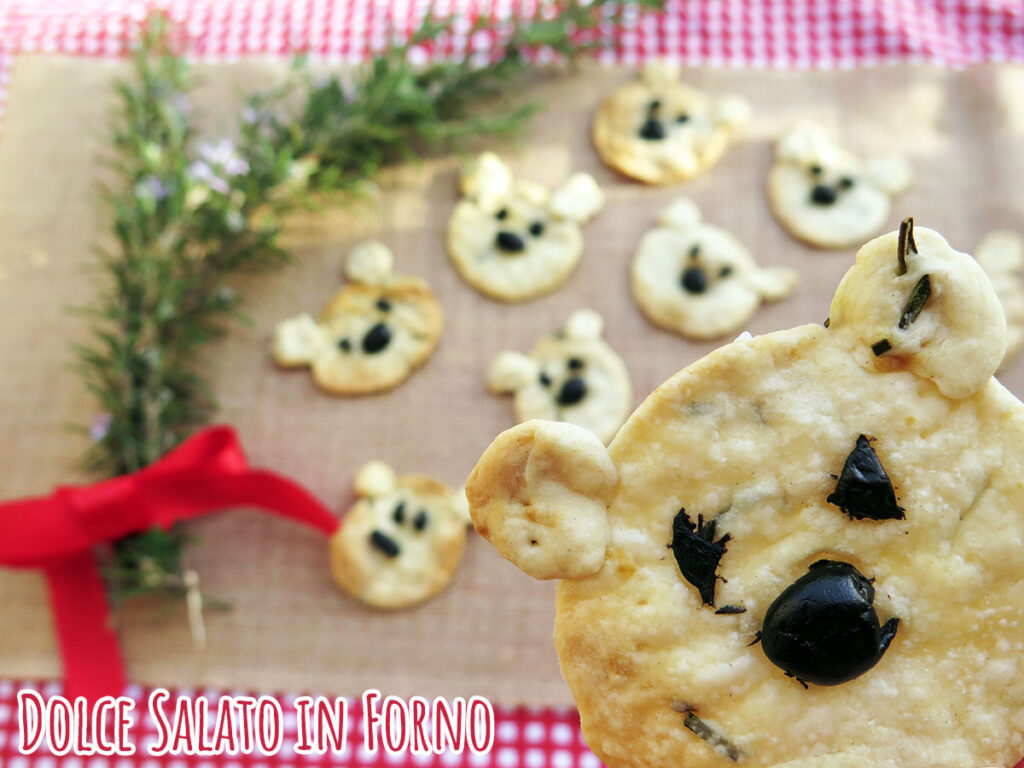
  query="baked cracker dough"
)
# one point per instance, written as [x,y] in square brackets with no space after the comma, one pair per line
[402,541]
[758,437]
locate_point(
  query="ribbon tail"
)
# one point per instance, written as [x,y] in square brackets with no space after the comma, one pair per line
[93,666]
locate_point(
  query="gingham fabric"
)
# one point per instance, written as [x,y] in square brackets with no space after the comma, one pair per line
[787,34]
[733,33]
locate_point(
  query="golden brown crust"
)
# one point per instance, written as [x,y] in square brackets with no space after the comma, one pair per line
[729,494]
[687,149]
[335,346]
[426,559]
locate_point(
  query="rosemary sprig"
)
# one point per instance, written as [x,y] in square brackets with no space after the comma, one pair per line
[188,214]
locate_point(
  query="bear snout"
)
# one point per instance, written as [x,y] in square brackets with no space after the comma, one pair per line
[509,242]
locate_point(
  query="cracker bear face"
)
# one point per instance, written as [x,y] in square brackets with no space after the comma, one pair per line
[699,280]
[661,131]
[402,541]
[571,376]
[372,335]
[827,196]
[789,508]
[515,240]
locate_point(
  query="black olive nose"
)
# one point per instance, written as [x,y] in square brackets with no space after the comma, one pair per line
[509,242]
[823,628]
[572,391]
[652,130]
[823,194]
[385,543]
[376,338]
[694,280]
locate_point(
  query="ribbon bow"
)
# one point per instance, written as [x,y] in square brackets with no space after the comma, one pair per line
[206,473]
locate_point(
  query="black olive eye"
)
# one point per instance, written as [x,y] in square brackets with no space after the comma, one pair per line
[399,514]
[683,118]
[695,251]
[575,363]
[544,380]
[864,489]
[502,214]
[383,305]
[537,229]
[815,170]
[420,521]
[846,182]
[654,105]
[344,345]
[725,271]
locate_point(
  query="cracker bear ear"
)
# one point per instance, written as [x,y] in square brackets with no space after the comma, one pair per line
[510,371]
[298,341]
[733,111]
[375,479]
[911,302]
[584,325]
[370,263]
[578,199]
[890,172]
[802,142]
[540,495]
[658,73]
[486,179]
[682,213]
[773,283]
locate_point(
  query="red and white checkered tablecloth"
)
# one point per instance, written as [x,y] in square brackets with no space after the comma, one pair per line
[785,34]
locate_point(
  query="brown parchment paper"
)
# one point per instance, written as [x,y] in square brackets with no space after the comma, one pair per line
[289,629]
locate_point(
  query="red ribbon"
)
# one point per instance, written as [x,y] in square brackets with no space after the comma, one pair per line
[206,473]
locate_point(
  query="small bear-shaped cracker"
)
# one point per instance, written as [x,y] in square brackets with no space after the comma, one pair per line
[1001,255]
[826,196]
[515,240]
[402,541]
[572,376]
[699,280]
[372,335]
[661,131]
[810,548]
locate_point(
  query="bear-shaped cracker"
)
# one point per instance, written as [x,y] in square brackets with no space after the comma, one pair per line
[402,541]
[803,550]
[373,334]
[514,240]
[1001,255]
[660,130]
[825,195]
[699,280]
[571,375]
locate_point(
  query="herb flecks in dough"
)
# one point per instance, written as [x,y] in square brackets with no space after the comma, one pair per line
[864,489]
[697,553]
[717,741]
[727,610]
[918,298]
[905,244]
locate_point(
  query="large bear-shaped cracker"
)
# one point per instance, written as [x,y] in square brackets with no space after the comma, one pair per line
[803,550]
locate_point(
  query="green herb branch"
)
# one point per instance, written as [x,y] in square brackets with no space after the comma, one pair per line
[186,214]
